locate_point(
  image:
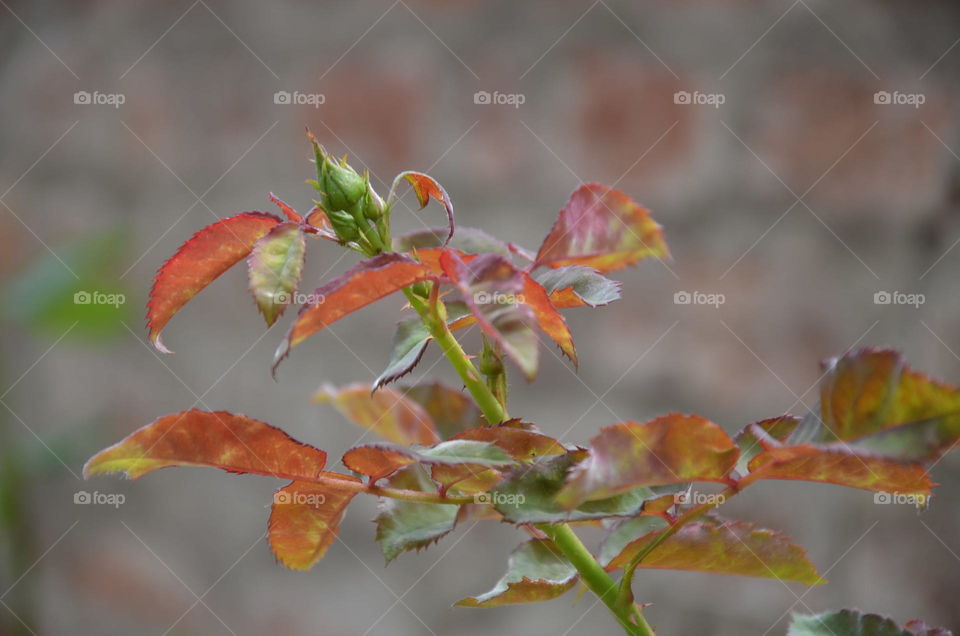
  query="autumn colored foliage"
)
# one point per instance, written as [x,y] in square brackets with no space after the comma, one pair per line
[447,455]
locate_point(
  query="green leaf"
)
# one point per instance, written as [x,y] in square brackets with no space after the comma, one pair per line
[528,494]
[720,547]
[575,285]
[536,571]
[625,532]
[670,449]
[275,266]
[855,623]
[749,442]
[408,525]
[873,401]
[409,343]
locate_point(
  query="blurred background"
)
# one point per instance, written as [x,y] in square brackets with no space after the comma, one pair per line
[802,157]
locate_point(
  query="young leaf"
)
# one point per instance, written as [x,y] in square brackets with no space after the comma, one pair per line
[670,449]
[492,289]
[385,412]
[855,623]
[363,284]
[288,211]
[275,266]
[209,253]
[305,519]
[601,228]
[452,410]
[409,344]
[379,460]
[235,443]
[724,547]
[425,187]
[548,318]
[873,400]
[528,494]
[536,571]
[409,525]
[752,442]
[576,286]
[467,239]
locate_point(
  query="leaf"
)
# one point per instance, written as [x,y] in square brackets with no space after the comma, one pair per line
[575,286]
[452,410]
[519,442]
[466,478]
[625,532]
[288,211]
[670,449]
[723,547]
[425,187]
[409,525]
[410,342]
[548,318]
[361,285]
[492,289]
[305,519]
[602,228]
[235,443]
[872,400]
[855,623]
[752,442]
[838,464]
[380,460]
[386,412]
[275,266]
[209,253]
[466,239]
[536,571]
[528,494]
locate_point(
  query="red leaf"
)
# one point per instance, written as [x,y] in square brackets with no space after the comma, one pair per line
[209,253]
[305,519]
[602,228]
[670,449]
[235,443]
[368,281]
[426,187]
[492,289]
[291,214]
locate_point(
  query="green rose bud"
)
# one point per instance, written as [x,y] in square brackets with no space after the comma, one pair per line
[344,225]
[339,185]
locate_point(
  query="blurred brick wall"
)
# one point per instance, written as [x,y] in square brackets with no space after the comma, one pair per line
[878,200]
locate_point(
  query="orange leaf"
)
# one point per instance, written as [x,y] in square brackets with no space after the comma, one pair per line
[291,214]
[386,412]
[363,284]
[209,253]
[426,187]
[670,449]
[548,318]
[305,519]
[519,442]
[235,443]
[602,228]
[841,465]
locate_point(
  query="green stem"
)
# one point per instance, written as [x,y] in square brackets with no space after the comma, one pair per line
[625,594]
[436,322]
[596,578]
[591,572]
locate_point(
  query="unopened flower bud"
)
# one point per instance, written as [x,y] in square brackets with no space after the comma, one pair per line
[339,185]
